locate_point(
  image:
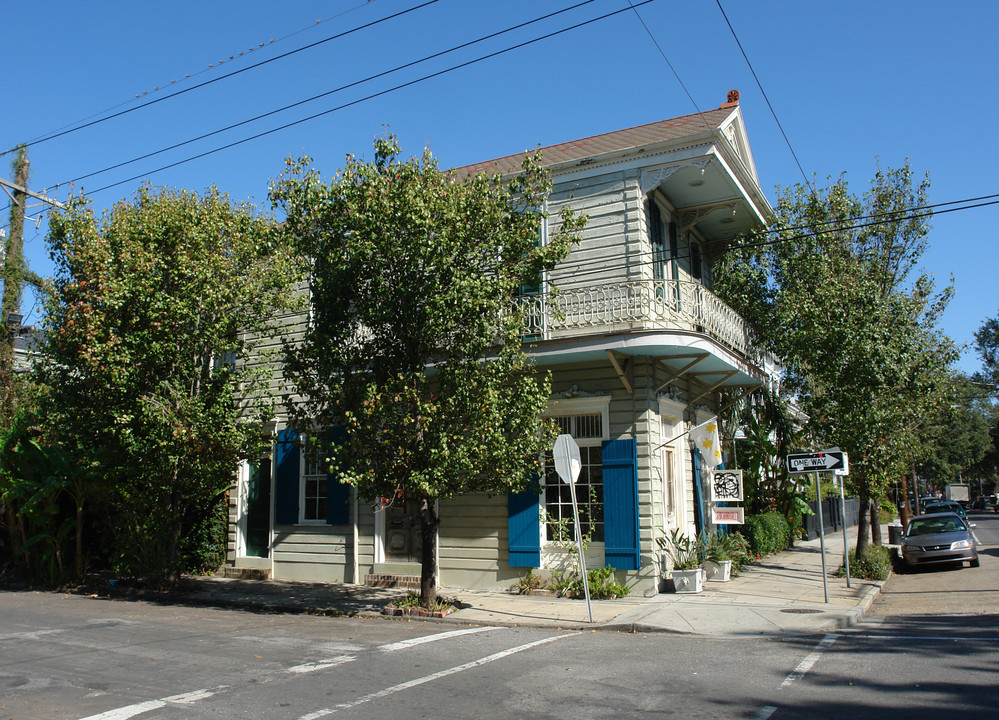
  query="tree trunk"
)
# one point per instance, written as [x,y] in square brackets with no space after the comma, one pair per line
[905,511]
[863,521]
[78,559]
[875,522]
[173,541]
[429,523]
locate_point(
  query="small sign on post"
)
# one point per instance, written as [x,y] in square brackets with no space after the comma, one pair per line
[567,465]
[816,462]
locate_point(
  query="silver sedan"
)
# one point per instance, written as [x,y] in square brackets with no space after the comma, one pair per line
[939,538]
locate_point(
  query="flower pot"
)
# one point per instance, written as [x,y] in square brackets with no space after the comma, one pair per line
[688,581]
[720,571]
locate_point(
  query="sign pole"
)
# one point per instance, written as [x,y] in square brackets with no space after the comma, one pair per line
[822,535]
[567,465]
[846,549]
[579,544]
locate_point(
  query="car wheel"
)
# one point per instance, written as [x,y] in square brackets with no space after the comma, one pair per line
[975,563]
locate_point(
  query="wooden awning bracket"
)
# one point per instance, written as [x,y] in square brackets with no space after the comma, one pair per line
[696,358]
[624,372]
[727,376]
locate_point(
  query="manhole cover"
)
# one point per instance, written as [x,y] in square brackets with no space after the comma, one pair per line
[800,611]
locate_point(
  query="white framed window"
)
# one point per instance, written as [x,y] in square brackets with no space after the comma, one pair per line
[589,430]
[312,488]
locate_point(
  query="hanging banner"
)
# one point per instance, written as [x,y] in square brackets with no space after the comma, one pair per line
[728,515]
[726,486]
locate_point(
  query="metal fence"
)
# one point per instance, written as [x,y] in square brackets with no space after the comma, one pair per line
[832,517]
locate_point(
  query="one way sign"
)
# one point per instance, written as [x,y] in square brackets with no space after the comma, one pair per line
[821,461]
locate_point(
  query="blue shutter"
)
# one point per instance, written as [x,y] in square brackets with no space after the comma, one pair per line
[620,471]
[698,495]
[286,477]
[337,493]
[524,524]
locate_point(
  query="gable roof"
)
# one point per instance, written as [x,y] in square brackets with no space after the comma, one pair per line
[634,138]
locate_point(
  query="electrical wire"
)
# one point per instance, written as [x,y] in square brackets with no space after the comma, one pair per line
[764,92]
[663,54]
[600,267]
[188,76]
[225,77]
[322,95]
[401,86]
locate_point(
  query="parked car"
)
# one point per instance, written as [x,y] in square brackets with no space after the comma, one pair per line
[939,538]
[947,506]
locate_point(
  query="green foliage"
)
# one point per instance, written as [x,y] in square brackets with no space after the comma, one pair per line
[530,583]
[727,546]
[685,553]
[834,295]
[415,342]
[146,303]
[767,533]
[874,564]
[601,581]
[737,548]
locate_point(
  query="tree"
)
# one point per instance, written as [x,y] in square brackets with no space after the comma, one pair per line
[830,288]
[414,347]
[151,315]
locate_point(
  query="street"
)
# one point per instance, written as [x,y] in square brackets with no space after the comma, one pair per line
[919,654]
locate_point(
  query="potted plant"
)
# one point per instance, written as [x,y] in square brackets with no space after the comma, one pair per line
[718,557]
[684,556]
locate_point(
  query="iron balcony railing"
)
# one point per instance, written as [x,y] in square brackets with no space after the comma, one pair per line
[636,305]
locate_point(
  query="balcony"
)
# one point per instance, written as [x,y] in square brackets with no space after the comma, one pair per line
[637,306]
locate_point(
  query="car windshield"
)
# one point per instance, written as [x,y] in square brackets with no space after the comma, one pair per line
[945,507]
[932,526]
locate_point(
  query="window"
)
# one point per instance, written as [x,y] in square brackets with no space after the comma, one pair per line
[314,477]
[588,432]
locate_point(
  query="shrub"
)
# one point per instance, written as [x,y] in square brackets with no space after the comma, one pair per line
[767,533]
[530,583]
[874,564]
[603,586]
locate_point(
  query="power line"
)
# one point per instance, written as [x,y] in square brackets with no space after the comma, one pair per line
[876,219]
[229,75]
[663,54]
[371,97]
[325,94]
[764,92]
[188,76]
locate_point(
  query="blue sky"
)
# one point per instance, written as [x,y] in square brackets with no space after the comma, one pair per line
[849,82]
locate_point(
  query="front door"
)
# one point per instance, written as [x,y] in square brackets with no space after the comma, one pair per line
[403,541]
[257,509]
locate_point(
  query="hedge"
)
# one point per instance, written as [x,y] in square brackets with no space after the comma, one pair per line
[767,533]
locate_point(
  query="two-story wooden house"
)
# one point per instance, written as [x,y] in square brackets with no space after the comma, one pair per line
[639,349]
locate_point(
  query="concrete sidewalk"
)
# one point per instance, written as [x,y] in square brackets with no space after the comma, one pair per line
[780,594]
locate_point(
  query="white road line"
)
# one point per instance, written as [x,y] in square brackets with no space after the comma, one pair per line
[765,712]
[391,647]
[123,713]
[805,665]
[402,645]
[31,634]
[955,638]
[429,678]
[321,664]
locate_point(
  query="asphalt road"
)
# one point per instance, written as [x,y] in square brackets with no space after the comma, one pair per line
[75,657]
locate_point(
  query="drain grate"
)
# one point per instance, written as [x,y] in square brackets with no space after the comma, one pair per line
[800,611]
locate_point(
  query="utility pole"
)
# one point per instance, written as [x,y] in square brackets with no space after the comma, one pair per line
[14,271]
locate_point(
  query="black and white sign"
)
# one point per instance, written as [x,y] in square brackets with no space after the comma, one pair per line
[726,485]
[818,461]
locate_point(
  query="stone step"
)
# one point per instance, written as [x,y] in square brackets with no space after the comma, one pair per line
[411,582]
[239,573]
